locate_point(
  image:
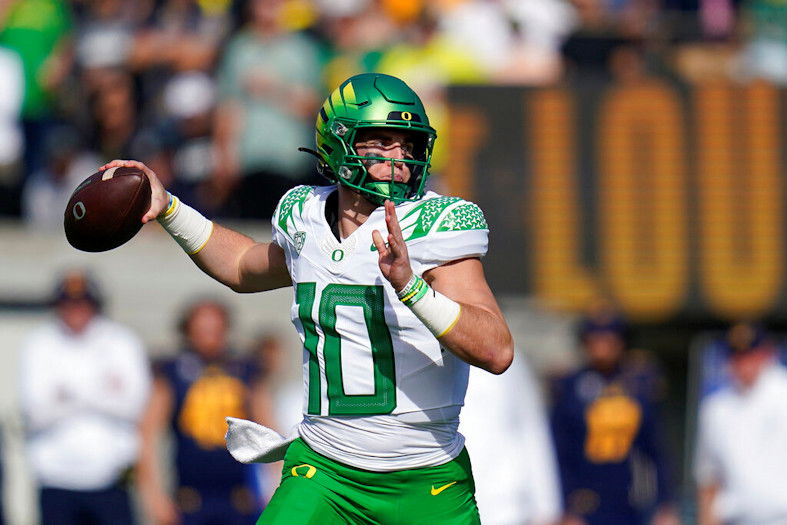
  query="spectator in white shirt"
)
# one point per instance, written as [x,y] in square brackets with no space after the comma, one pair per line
[506,429]
[84,382]
[741,456]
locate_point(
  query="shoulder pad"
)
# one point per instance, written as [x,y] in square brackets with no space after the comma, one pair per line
[290,204]
[442,214]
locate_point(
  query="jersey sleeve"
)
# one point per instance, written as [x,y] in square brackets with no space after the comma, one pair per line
[444,229]
[286,214]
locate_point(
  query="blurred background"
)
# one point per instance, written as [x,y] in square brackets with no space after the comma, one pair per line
[630,152]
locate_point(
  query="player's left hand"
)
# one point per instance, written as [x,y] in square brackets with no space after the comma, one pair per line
[394,260]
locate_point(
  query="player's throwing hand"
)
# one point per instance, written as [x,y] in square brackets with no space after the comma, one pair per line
[159,199]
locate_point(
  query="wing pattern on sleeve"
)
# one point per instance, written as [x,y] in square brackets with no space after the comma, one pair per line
[442,214]
[290,204]
[467,216]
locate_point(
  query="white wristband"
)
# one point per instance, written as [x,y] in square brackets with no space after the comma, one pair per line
[190,229]
[438,312]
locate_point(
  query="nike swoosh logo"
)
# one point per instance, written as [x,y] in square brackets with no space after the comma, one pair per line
[436,491]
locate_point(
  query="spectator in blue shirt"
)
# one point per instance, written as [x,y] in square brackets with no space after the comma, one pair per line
[192,394]
[605,425]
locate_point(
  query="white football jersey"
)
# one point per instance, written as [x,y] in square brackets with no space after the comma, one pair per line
[380,392]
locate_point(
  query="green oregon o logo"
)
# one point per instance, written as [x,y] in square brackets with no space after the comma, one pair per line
[406,115]
[337,255]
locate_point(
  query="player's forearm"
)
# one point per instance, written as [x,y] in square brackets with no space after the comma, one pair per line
[456,305]
[228,256]
[480,338]
[240,263]
[221,256]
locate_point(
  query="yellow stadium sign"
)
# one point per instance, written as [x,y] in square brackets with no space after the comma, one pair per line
[665,200]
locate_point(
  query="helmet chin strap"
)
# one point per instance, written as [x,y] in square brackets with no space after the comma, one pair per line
[386,190]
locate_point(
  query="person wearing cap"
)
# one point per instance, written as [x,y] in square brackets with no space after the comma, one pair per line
[84,381]
[193,392]
[605,426]
[740,463]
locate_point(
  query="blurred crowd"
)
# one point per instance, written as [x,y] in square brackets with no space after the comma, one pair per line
[584,446]
[216,95]
[103,420]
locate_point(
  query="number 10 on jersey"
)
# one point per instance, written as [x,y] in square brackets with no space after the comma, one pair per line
[371,300]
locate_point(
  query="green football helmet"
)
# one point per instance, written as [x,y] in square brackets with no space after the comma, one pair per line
[373,100]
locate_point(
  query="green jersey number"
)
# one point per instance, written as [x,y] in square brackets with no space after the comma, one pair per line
[371,299]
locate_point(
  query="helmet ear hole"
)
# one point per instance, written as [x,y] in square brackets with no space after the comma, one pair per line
[339,129]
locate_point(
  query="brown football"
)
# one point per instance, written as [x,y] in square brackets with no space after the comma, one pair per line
[106,209]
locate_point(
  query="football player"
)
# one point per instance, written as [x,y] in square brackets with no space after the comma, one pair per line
[392,305]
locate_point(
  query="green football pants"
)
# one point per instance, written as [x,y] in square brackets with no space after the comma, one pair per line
[317,490]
